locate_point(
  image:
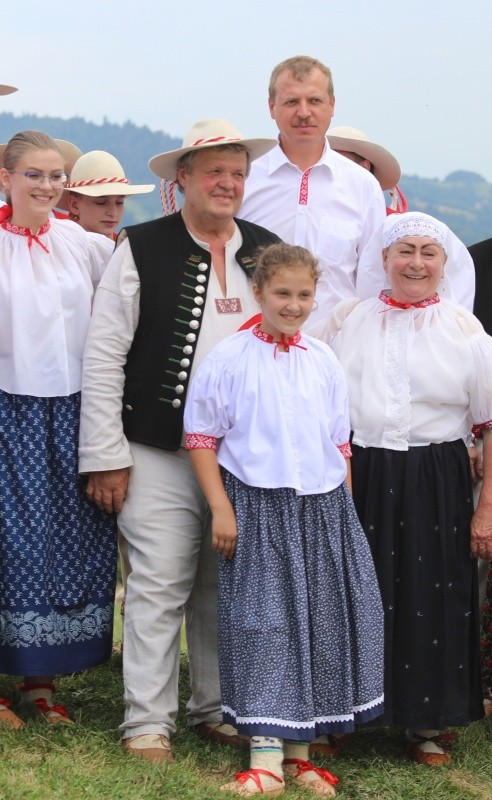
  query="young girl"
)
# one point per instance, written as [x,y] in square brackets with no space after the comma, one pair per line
[300,617]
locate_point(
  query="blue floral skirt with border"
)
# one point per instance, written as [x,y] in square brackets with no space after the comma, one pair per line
[57,550]
[300,616]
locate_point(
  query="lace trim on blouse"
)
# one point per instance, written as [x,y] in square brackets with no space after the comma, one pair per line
[398,398]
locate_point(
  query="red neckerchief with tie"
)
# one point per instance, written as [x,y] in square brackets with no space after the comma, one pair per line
[286,342]
[5,216]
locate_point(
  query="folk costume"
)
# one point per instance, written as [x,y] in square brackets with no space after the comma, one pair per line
[159,309]
[422,379]
[300,621]
[57,551]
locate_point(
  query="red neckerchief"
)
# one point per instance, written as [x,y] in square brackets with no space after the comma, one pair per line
[429,301]
[5,216]
[285,341]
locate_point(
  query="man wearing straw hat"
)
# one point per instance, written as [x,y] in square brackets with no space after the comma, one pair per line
[307,193]
[174,288]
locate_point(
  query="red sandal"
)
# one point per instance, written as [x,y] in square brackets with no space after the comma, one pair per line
[241,777]
[317,787]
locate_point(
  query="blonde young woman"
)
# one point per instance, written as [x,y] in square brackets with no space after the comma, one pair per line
[96,193]
[57,550]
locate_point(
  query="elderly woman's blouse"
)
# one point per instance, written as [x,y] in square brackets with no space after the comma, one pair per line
[415,375]
[281,416]
[46,287]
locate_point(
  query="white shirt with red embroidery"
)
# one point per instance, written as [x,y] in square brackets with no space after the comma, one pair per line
[281,417]
[416,376]
[332,209]
[46,287]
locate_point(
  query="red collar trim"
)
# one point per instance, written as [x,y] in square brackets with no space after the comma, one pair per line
[20,230]
[429,301]
[285,341]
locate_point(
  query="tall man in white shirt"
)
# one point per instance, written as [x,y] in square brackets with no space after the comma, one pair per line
[173,289]
[307,193]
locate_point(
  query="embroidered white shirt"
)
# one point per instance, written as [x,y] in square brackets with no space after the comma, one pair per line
[415,376]
[280,415]
[332,209]
[45,306]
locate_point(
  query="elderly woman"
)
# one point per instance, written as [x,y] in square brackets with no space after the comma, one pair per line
[57,550]
[419,371]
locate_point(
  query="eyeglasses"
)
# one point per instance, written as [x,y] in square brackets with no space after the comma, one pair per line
[34,178]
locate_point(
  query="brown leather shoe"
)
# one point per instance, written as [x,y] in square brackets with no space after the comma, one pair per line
[220,732]
[154,747]
[330,747]
[444,743]
[415,753]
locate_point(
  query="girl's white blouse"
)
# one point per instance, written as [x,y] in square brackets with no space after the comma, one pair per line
[280,416]
[415,376]
[45,306]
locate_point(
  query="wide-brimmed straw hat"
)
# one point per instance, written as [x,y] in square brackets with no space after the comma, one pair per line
[99,174]
[4,89]
[207,133]
[386,167]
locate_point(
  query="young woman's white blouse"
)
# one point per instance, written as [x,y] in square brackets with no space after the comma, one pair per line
[280,416]
[415,376]
[45,306]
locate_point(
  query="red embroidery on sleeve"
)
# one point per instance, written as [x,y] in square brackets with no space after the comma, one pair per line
[345,449]
[198,441]
[482,426]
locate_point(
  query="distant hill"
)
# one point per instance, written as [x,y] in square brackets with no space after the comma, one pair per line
[132,145]
[463,199]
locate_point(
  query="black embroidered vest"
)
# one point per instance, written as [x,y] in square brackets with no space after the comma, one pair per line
[173,272]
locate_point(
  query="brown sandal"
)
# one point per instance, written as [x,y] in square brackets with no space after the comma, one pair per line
[238,788]
[54,714]
[331,747]
[7,716]
[445,741]
[322,787]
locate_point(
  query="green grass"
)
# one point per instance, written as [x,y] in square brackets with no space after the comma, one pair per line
[86,760]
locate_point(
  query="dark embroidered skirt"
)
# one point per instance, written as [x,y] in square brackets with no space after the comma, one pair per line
[300,618]
[57,551]
[416,508]
[486,641]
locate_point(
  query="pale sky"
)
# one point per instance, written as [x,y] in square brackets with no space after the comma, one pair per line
[415,75]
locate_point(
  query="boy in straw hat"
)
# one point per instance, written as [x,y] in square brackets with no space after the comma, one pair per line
[95,195]
[356,146]
[174,288]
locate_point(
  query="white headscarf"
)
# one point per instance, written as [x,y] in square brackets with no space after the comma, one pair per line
[458,282]
[414,223]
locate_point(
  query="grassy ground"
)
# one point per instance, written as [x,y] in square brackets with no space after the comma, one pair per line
[87,761]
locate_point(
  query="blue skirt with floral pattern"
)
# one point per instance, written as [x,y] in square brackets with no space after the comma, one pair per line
[57,550]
